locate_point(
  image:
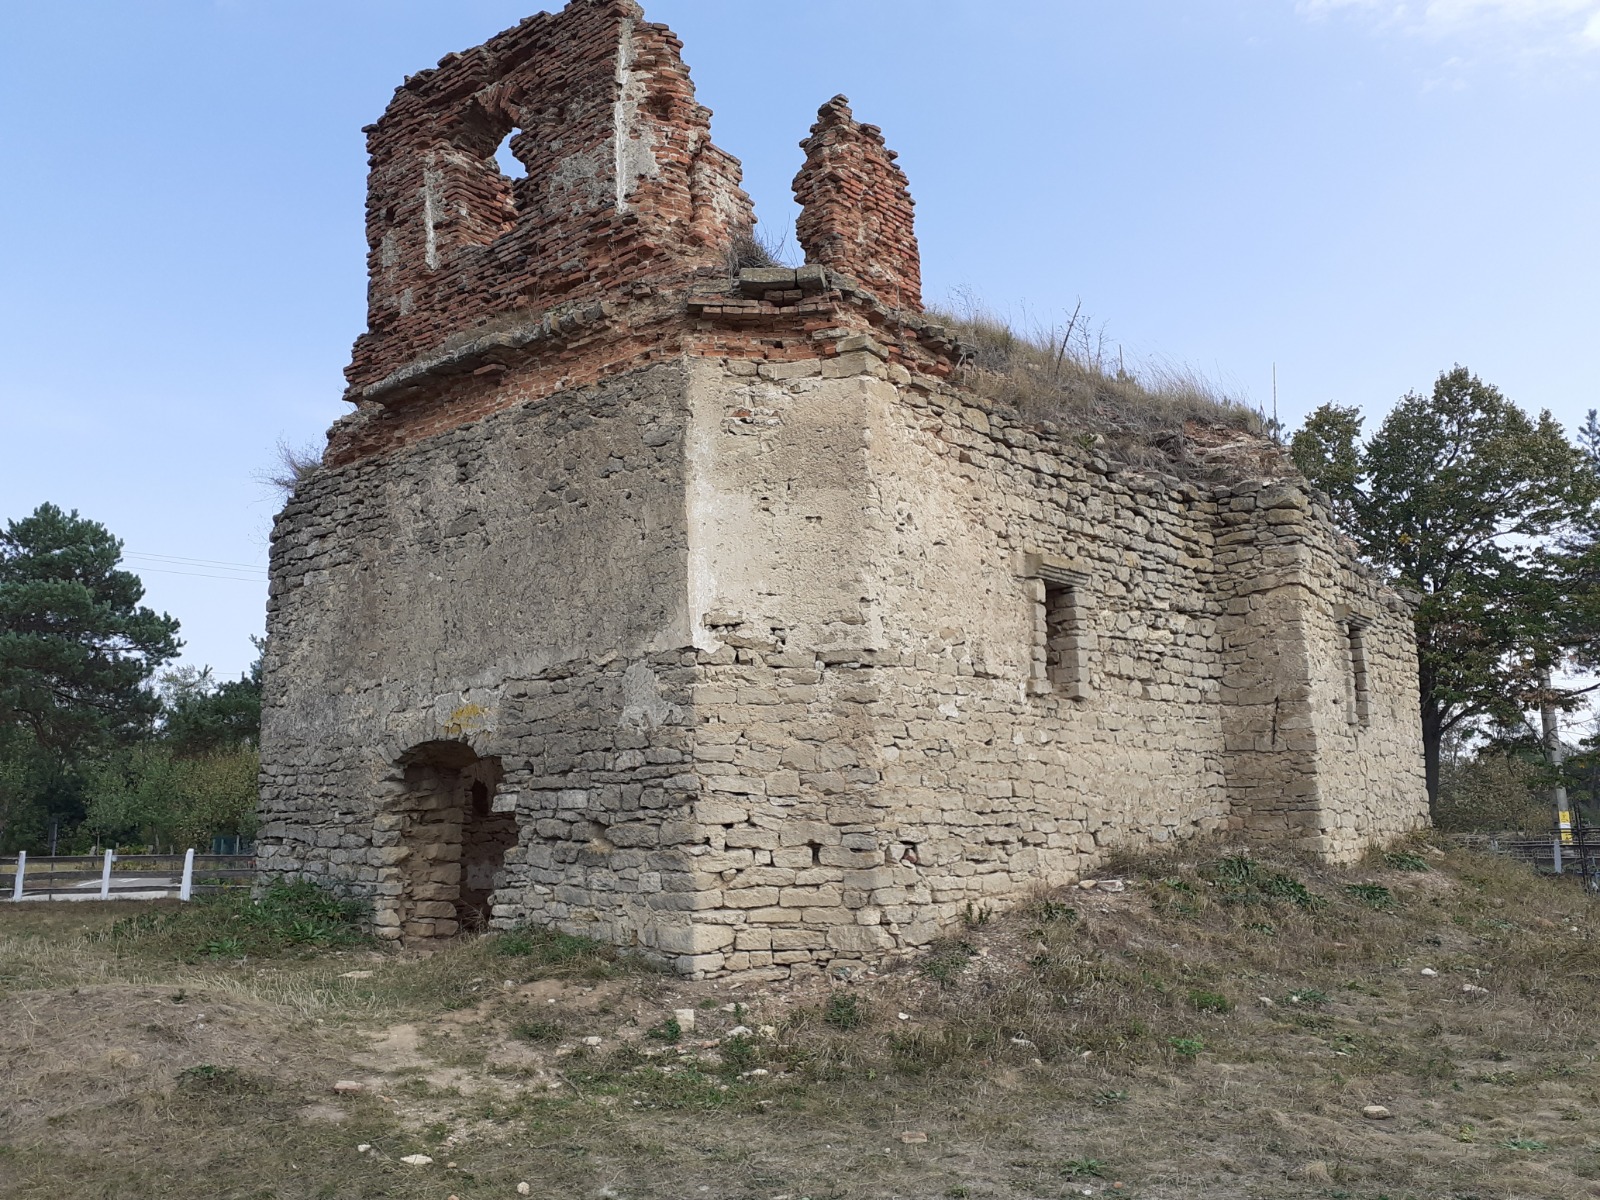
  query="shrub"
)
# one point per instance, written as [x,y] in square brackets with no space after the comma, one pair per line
[291,914]
[845,1010]
[1491,793]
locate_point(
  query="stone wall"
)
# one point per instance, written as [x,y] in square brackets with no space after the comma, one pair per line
[882,745]
[705,610]
[762,657]
[511,591]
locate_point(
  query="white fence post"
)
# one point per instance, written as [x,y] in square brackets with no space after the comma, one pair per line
[105,878]
[188,874]
[22,866]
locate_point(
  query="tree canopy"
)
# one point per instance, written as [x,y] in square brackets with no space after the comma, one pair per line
[77,651]
[203,715]
[1464,498]
[76,646]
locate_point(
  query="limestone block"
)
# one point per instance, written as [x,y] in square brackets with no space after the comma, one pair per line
[751,897]
[860,939]
[811,897]
[694,939]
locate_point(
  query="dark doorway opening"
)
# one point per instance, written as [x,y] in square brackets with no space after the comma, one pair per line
[456,842]
[486,835]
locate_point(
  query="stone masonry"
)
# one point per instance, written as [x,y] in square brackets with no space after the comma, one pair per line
[702,609]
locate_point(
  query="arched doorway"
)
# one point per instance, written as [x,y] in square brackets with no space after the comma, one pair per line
[455,842]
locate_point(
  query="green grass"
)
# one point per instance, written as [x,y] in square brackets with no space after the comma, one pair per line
[289,916]
[542,949]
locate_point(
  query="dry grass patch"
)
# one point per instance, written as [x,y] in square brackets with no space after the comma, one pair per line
[1153,416]
[1214,1030]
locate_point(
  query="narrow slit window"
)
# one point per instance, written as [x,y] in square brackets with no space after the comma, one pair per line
[1063,643]
[1360,685]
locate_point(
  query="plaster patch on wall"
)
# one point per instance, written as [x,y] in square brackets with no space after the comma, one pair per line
[633,143]
[642,702]
[432,206]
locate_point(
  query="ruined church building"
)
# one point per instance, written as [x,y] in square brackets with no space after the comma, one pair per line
[702,610]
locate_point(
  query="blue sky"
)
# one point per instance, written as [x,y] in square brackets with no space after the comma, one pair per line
[1361,192]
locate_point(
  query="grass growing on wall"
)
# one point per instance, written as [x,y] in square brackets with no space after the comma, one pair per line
[1135,413]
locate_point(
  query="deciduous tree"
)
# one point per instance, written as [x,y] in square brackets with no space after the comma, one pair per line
[1464,498]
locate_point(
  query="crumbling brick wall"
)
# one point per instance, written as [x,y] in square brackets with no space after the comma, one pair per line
[624,190]
[856,208]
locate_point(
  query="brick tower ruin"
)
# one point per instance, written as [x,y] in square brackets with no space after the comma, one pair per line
[695,606]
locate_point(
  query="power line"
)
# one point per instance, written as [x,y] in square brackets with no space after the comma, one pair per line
[198,575]
[193,562]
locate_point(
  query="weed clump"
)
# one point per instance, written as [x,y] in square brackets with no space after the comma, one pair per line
[1187,1047]
[211,1080]
[1240,879]
[845,1010]
[1080,1168]
[1209,1002]
[669,1031]
[1404,860]
[1049,911]
[549,948]
[539,1033]
[290,915]
[947,960]
[1373,895]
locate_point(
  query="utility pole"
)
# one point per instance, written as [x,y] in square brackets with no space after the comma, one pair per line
[1555,755]
[1277,430]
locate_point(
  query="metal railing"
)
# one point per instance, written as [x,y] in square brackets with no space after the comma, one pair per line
[1574,851]
[112,876]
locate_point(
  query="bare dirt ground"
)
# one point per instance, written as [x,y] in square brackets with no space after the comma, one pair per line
[1218,1028]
